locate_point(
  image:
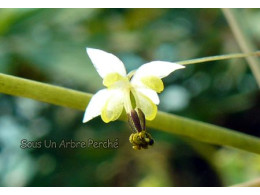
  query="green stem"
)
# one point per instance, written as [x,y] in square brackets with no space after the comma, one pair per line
[243,41]
[43,92]
[166,122]
[205,132]
[218,57]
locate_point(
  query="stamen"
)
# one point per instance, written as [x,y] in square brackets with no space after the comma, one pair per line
[141,138]
[142,118]
[136,120]
[131,123]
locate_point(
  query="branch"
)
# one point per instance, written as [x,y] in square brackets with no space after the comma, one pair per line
[166,122]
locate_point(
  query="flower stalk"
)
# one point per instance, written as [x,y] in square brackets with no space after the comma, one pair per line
[218,57]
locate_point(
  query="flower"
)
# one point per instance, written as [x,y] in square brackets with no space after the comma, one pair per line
[143,85]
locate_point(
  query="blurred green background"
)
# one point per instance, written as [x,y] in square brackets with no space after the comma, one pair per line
[48,45]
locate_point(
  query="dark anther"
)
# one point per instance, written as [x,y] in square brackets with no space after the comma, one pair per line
[151,142]
[141,140]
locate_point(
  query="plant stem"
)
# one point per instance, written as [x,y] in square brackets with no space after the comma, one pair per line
[204,132]
[243,41]
[218,57]
[166,122]
[43,92]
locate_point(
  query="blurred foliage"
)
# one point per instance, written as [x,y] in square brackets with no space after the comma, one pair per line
[48,45]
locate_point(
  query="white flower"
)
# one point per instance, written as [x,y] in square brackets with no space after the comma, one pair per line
[143,85]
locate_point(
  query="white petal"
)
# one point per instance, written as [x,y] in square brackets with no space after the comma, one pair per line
[156,68]
[96,104]
[151,94]
[106,63]
[114,106]
[146,105]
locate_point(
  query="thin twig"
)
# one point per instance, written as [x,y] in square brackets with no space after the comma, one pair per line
[218,57]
